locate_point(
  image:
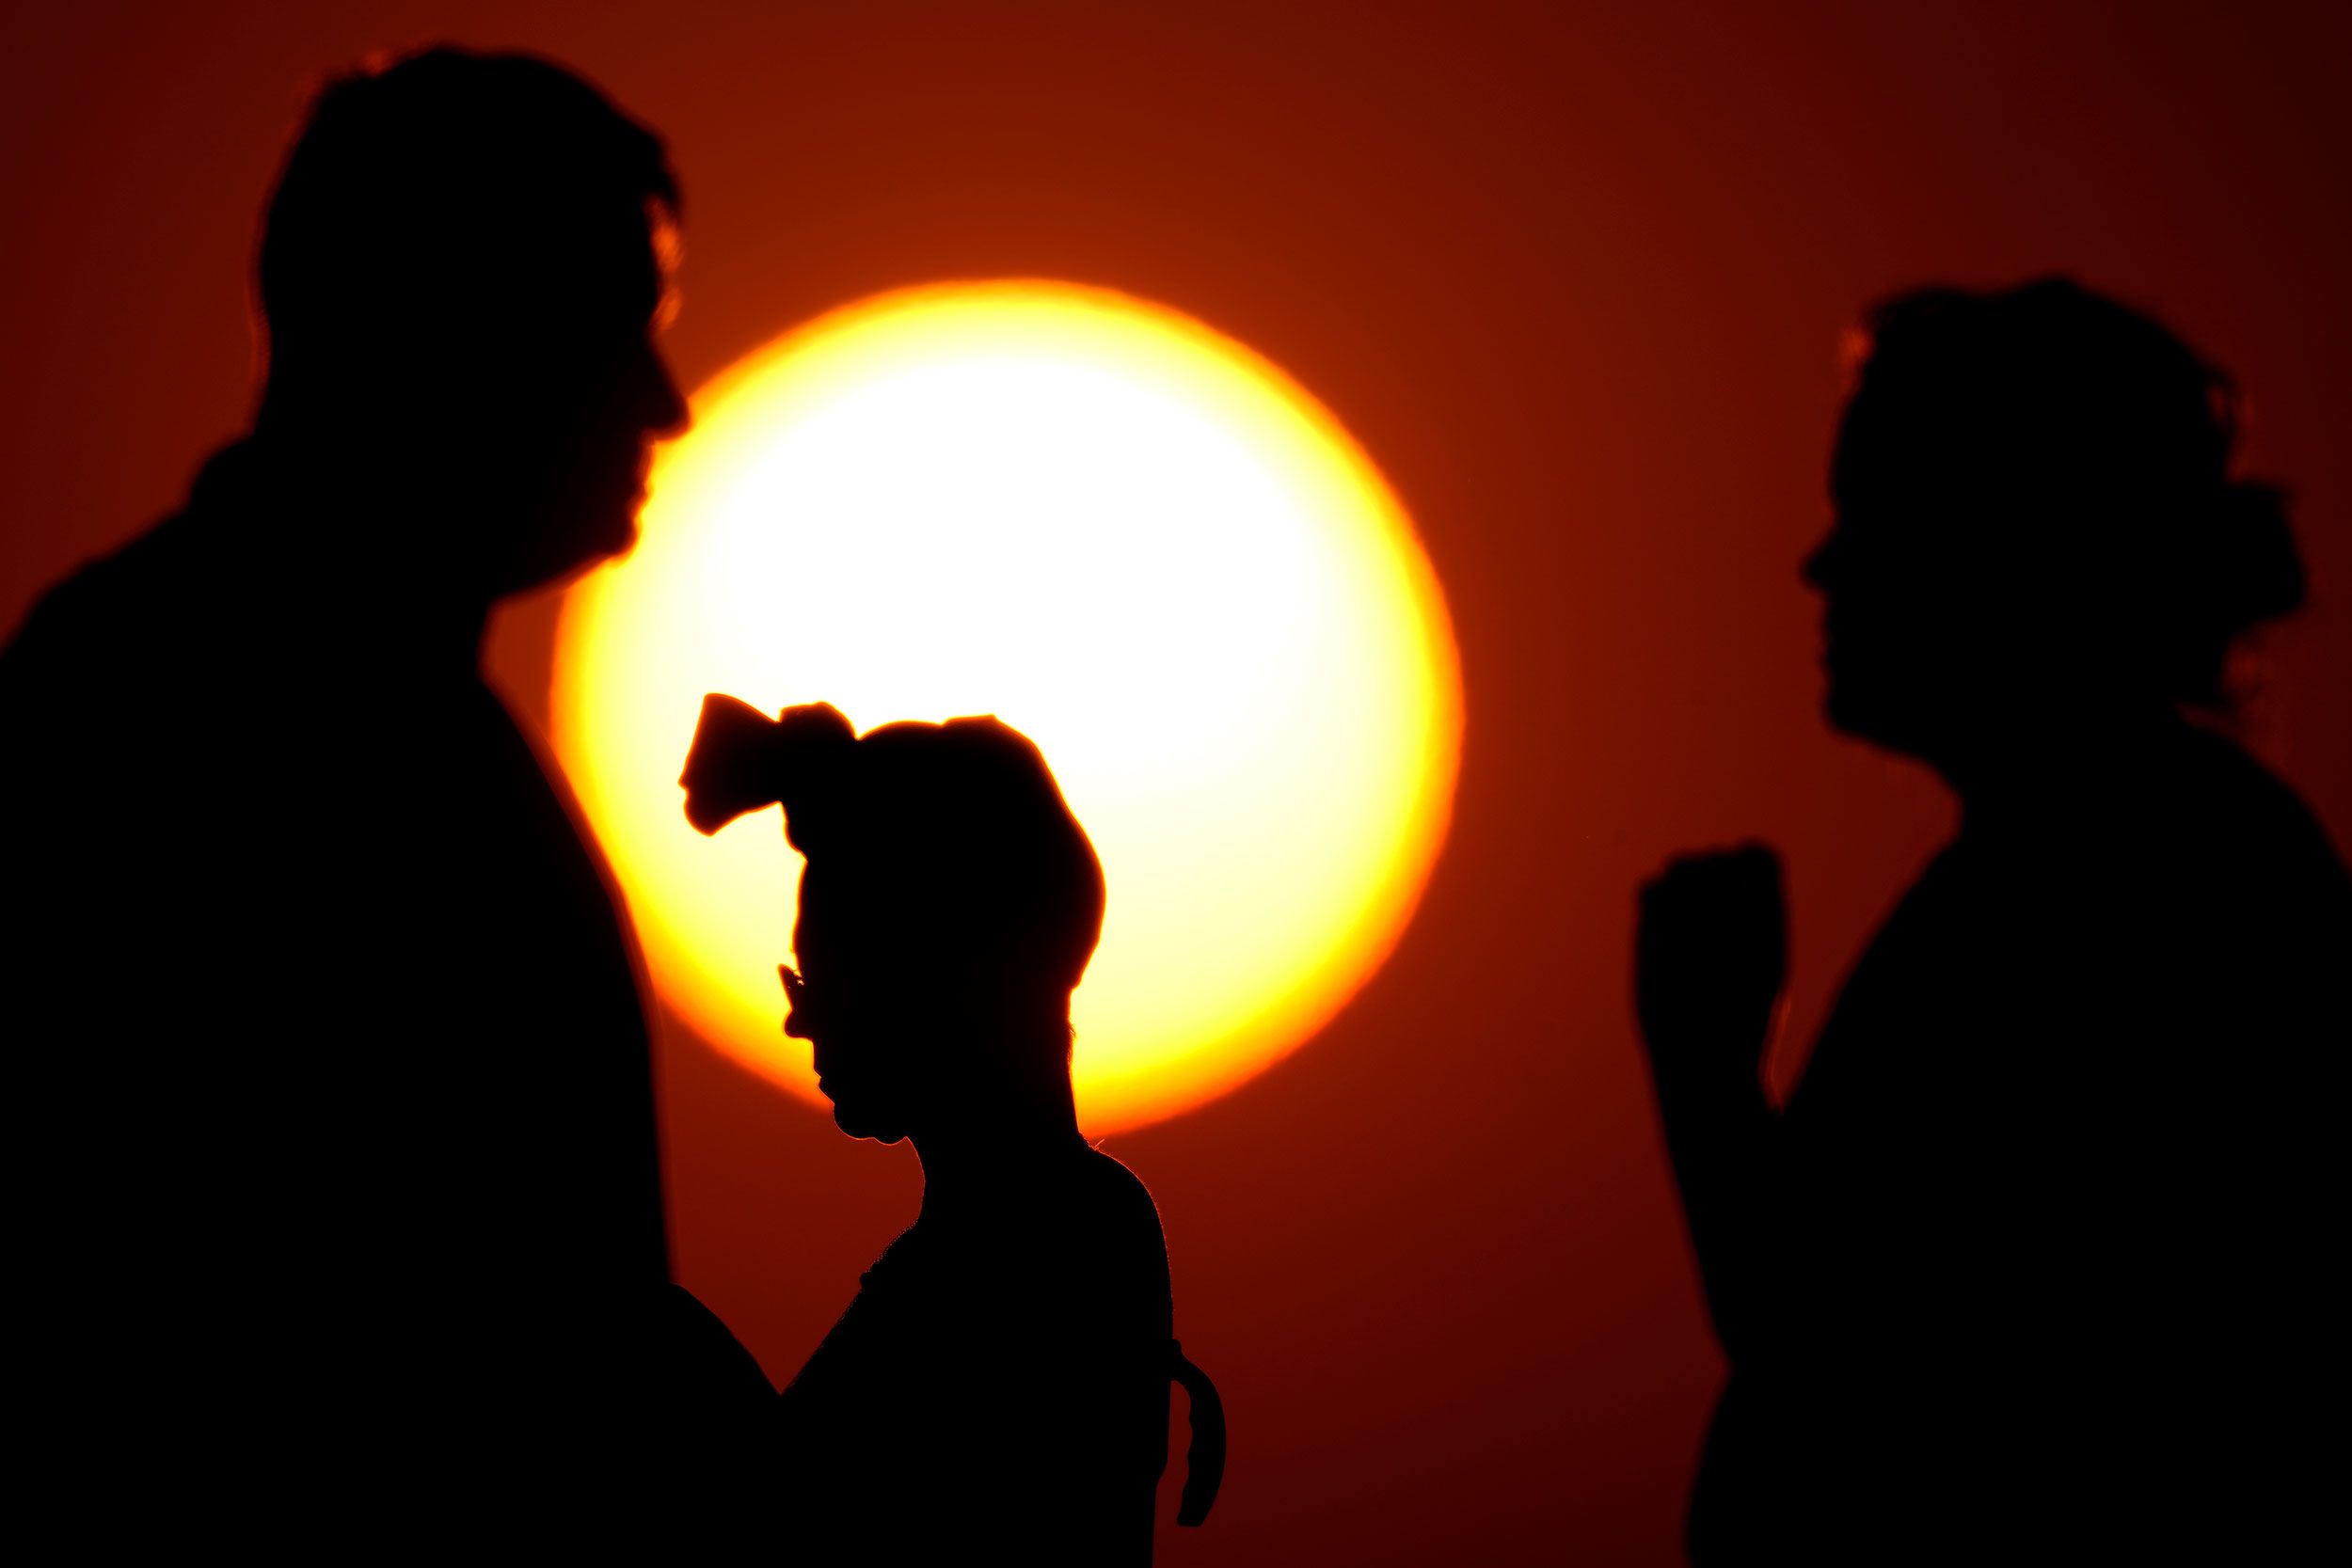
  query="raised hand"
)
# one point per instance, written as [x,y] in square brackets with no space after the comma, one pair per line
[1711,956]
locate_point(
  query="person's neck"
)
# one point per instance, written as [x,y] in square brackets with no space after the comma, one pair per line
[994,1145]
[2049,763]
[351,537]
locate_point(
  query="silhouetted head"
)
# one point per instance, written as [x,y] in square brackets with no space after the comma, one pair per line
[2037,521]
[461,271]
[948,906]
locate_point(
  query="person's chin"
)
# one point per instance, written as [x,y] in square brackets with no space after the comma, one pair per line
[1847,703]
[1875,714]
[613,534]
[870,1130]
[1837,707]
[1856,720]
[858,1122]
[581,551]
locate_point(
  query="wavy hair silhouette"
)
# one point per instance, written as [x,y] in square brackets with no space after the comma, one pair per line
[2034,1260]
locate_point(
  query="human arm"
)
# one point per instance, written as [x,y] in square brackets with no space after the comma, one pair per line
[1710,956]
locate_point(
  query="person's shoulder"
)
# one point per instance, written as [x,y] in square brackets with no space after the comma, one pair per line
[1110,1243]
[60,616]
[108,607]
[2257,822]
[1085,1205]
[82,686]
[2215,874]
[1115,1211]
[1113,1190]
[73,640]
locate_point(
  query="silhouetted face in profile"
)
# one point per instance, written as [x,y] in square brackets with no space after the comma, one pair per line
[1917,627]
[948,906]
[463,271]
[880,1040]
[562,464]
[2035,525]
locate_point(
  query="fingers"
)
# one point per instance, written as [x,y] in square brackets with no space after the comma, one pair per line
[1739,886]
[1753,864]
[1711,951]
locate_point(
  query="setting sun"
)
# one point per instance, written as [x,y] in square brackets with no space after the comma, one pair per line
[1121,533]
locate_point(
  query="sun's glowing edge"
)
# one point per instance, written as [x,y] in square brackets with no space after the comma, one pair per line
[1110,1099]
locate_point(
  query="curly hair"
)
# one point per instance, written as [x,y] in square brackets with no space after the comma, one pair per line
[2118,444]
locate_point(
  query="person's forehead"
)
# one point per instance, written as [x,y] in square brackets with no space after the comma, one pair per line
[1882,426]
[614,263]
[666,250]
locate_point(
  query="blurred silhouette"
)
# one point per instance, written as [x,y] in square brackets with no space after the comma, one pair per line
[2032,1265]
[337,1202]
[1000,1383]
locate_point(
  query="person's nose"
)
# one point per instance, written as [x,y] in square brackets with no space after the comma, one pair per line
[665,414]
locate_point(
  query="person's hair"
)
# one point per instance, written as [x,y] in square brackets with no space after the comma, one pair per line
[2117,444]
[448,196]
[943,849]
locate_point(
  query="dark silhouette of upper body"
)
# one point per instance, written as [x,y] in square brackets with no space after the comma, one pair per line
[2033,1263]
[337,1201]
[999,1386]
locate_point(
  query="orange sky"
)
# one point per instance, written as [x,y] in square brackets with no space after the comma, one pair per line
[1576,276]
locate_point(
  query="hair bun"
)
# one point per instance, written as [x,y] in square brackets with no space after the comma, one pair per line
[741,760]
[2254,574]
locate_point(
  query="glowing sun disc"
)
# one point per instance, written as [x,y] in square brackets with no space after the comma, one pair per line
[1124,534]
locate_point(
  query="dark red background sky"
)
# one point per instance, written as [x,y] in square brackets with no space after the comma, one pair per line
[1577,277]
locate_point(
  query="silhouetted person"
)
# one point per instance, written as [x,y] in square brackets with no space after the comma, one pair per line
[2037,1263]
[999,1388]
[337,1209]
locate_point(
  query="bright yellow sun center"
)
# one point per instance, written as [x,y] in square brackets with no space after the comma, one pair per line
[1123,534]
